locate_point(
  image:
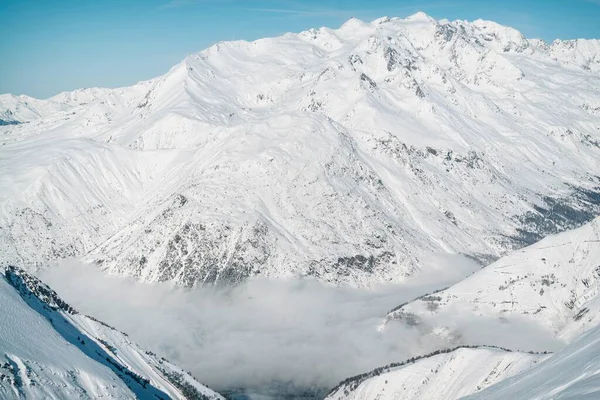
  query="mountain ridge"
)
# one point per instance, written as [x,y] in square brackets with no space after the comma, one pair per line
[354,155]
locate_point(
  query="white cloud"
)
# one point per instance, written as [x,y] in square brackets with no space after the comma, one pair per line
[300,333]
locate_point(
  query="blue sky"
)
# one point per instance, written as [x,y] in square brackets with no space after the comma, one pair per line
[49,46]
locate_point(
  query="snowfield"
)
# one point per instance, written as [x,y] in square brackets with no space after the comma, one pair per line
[345,154]
[48,350]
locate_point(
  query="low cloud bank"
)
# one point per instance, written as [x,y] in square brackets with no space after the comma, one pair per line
[301,333]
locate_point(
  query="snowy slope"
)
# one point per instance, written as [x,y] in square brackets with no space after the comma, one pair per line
[572,373]
[553,284]
[48,350]
[449,375]
[347,155]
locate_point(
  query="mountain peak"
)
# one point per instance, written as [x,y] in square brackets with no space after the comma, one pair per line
[381,20]
[353,23]
[420,16]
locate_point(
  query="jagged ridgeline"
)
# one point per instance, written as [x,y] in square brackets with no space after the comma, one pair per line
[345,154]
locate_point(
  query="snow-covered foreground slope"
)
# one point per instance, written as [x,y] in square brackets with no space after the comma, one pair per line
[444,376]
[553,284]
[346,155]
[48,350]
[572,373]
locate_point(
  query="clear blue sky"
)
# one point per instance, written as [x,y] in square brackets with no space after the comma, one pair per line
[49,46]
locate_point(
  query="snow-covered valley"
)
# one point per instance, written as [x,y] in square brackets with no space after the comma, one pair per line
[396,209]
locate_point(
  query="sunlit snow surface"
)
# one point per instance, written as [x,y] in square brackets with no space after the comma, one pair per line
[572,373]
[445,376]
[50,351]
[347,155]
[34,351]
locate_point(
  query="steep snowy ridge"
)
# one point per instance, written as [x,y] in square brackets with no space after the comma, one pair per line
[572,373]
[344,154]
[443,375]
[554,284]
[52,351]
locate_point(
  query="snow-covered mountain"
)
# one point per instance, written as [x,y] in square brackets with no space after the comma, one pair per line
[24,109]
[444,375]
[553,284]
[48,350]
[18,109]
[347,155]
